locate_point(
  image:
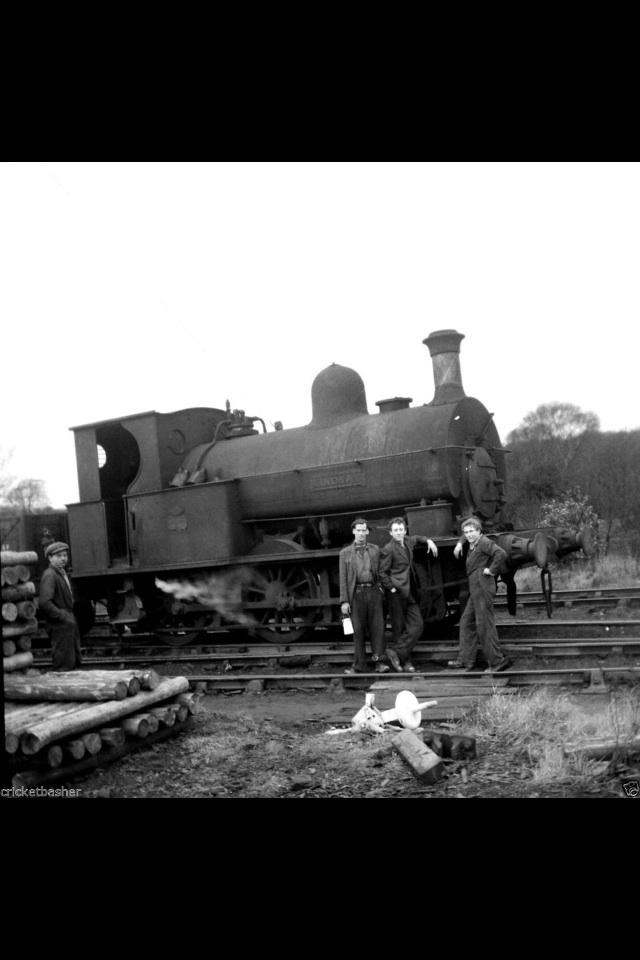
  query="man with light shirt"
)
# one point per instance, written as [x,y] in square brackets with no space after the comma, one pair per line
[361,598]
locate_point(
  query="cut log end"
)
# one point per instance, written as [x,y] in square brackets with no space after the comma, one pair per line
[19,661]
[425,765]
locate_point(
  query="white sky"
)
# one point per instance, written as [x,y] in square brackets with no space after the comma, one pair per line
[135,286]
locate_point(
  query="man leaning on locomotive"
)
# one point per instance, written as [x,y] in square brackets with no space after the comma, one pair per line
[398,576]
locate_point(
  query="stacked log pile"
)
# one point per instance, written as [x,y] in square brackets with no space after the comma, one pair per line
[60,725]
[19,607]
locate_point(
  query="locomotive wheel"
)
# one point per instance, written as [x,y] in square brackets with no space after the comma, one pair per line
[282,585]
[181,631]
[174,624]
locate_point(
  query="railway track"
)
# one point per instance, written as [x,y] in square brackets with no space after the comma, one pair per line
[533,646]
[604,597]
[586,655]
[431,684]
[542,650]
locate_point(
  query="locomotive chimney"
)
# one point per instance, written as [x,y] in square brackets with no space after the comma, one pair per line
[444,347]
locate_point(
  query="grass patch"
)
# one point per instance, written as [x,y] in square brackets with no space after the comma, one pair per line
[539,723]
[610,571]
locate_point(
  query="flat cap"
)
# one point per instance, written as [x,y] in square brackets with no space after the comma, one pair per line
[57,547]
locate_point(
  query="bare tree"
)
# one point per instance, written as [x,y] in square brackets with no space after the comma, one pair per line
[554,421]
[610,469]
[28,495]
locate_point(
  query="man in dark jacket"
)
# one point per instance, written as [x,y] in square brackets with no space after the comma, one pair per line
[478,624]
[361,597]
[56,603]
[398,576]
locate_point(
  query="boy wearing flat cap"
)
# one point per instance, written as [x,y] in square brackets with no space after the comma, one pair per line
[56,603]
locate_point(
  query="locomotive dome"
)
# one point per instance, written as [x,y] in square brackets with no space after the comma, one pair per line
[337,395]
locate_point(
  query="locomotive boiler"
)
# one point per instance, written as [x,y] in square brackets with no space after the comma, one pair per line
[250,523]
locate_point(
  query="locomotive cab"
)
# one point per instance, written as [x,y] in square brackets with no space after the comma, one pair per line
[120,461]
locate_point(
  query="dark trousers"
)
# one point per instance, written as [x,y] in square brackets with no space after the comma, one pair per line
[478,623]
[65,644]
[368,620]
[406,624]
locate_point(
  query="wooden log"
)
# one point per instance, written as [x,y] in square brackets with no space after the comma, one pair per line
[136,726]
[146,679]
[14,711]
[17,629]
[10,612]
[54,755]
[97,715]
[19,661]
[165,715]
[21,591]
[83,677]
[145,721]
[132,683]
[49,687]
[9,576]
[17,715]
[425,765]
[23,643]
[8,648]
[26,609]
[9,558]
[191,700]
[112,736]
[153,722]
[597,749]
[92,743]
[149,679]
[28,779]
[19,718]
[24,574]
[74,748]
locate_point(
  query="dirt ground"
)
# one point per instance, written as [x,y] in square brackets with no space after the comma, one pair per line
[278,745]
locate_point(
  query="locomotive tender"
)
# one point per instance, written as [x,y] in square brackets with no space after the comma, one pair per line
[254,521]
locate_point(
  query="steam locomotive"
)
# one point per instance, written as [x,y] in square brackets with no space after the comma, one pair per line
[201,519]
